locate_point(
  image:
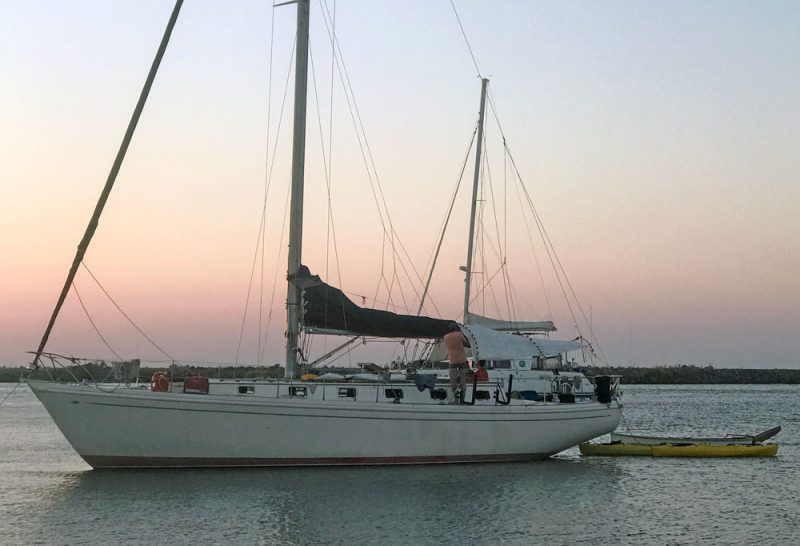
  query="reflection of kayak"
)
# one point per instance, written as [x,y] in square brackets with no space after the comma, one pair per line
[680,450]
[739,439]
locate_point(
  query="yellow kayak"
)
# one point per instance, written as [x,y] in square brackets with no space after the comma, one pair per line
[671,450]
[706,450]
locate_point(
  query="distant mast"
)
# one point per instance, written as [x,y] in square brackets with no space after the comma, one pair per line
[293,299]
[478,149]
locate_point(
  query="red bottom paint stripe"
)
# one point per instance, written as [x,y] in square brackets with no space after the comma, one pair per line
[112,461]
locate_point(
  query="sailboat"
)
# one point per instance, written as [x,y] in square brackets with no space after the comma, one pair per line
[290,422]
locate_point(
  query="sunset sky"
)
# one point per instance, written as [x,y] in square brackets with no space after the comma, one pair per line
[660,142]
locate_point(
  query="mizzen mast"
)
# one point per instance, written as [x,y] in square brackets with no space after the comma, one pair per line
[293,299]
[478,149]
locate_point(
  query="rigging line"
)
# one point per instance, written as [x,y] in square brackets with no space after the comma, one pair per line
[270,169]
[381,274]
[277,260]
[418,281]
[249,289]
[390,288]
[560,266]
[507,151]
[330,142]
[407,256]
[96,329]
[549,250]
[328,163]
[350,98]
[414,284]
[539,224]
[333,351]
[507,154]
[153,343]
[505,197]
[487,288]
[510,302]
[533,250]
[266,183]
[327,160]
[261,285]
[347,354]
[286,198]
[521,297]
[329,173]
[366,157]
[466,40]
[333,71]
[375,303]
[395,279]
[403,259]
[112,177]
[10,393]
[445,223]
[510,309]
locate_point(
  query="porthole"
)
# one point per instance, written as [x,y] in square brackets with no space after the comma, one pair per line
[396,394]
[298,391]
[347,392]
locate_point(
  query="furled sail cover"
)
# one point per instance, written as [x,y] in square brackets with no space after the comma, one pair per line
[511,325]
[488,344]
[326,310]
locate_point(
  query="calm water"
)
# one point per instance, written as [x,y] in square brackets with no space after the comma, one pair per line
[49,496]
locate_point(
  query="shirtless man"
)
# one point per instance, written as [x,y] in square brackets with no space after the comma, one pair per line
[455,342]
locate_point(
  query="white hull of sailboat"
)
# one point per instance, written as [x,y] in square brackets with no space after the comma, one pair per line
[139,428]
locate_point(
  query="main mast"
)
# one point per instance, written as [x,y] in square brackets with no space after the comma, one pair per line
[293,299]
[478,149]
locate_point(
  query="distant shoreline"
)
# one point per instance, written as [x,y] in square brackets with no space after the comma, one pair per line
[694,375]
[661,375]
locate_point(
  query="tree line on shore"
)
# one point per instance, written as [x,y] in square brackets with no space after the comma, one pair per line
[695,375]
[660,375]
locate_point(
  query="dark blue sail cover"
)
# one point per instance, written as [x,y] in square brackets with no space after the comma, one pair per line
[327,310]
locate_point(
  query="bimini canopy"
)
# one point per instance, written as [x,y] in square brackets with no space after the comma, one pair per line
[488,344]
[511,325]
[326,310]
